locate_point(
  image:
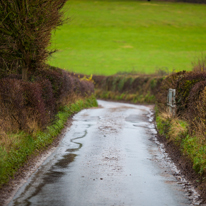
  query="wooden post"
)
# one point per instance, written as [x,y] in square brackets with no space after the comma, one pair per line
[25,74]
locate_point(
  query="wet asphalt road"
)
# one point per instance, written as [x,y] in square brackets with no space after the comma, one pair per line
[107,158]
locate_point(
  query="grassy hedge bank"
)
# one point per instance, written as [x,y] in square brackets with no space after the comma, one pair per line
[25,144]
[132,88]
[192,146]
[187,129]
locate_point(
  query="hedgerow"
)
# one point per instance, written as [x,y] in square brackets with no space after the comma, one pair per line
[136,88]
[190,115]
[26,103]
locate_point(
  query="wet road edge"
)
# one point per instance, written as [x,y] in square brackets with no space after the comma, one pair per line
[184,172]
[8,191]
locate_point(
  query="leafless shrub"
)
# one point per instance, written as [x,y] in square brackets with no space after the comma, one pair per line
[25,32]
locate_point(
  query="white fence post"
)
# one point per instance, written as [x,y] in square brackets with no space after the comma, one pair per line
[171,101]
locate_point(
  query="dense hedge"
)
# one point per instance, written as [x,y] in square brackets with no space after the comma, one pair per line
[136,88]
[23,103]
[190,94]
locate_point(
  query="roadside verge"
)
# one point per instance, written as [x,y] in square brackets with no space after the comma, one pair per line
[15,162]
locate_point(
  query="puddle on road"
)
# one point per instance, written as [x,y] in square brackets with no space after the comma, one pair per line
[90,119]
[87,118]
[136,118]
[67,159]
[56,172]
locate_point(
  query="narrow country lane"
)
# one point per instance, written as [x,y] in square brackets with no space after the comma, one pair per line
[107,158]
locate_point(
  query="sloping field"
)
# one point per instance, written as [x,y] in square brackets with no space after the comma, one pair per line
[108,36]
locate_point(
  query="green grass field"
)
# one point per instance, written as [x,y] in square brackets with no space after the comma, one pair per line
[109,36]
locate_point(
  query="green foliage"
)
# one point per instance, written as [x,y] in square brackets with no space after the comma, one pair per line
[121,83]
[149,98]
[33,143]
[153,83]
[192,146]
[115,80]
[162,125]
[178,129]
[183,91]
[196,151]
[183,124]
[131,80]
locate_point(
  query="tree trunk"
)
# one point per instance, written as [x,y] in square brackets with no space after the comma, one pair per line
[24,74]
